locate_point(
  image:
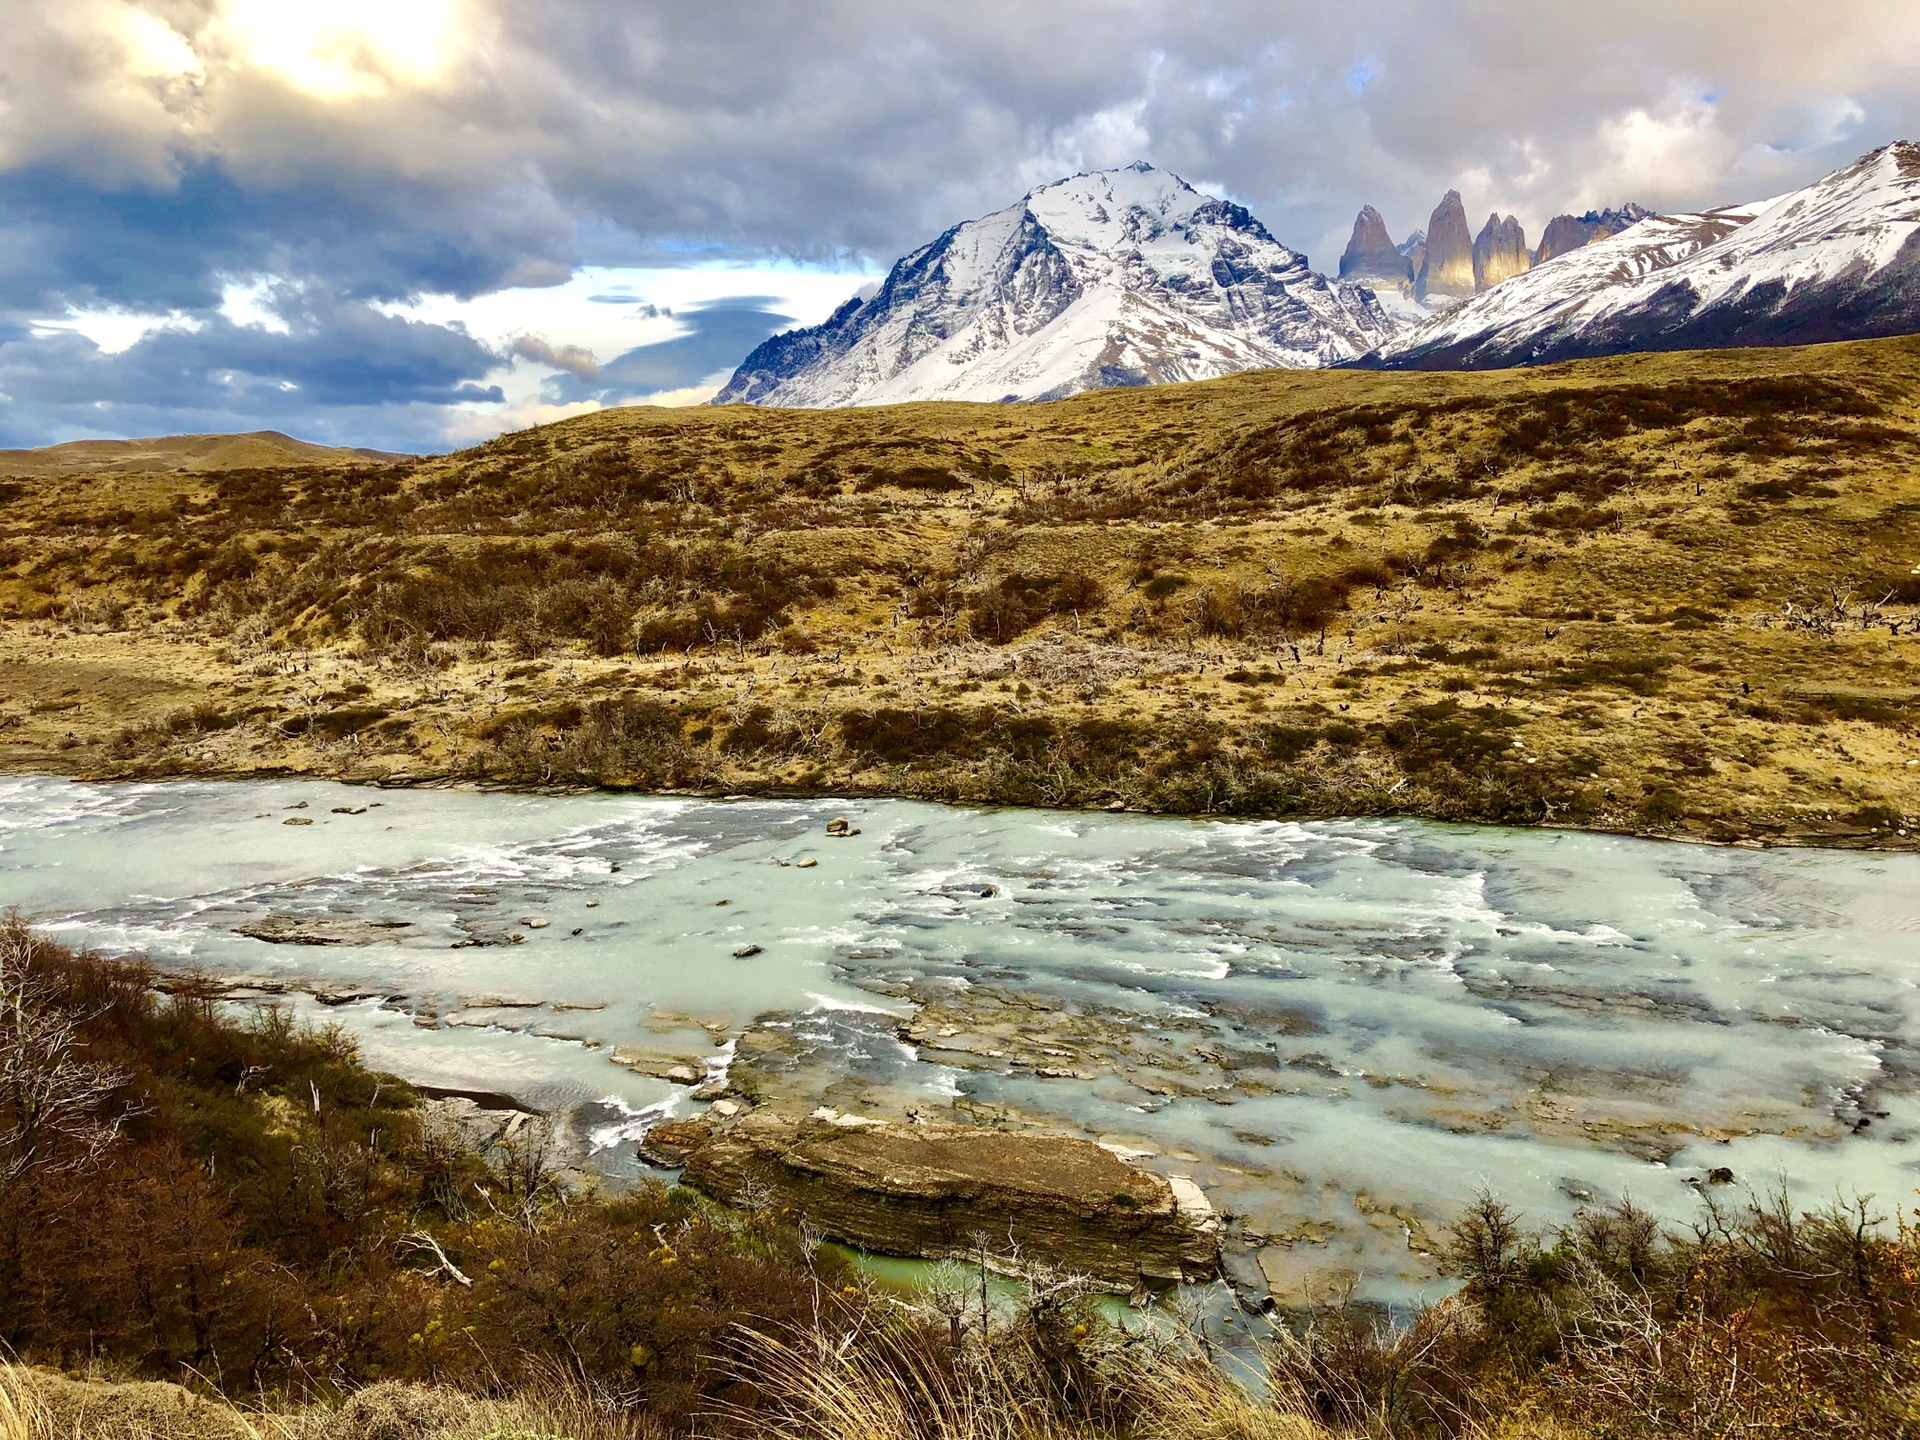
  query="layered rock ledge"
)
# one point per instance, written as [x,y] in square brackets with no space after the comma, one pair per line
[942,1192]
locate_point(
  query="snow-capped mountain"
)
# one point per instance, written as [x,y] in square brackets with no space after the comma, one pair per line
[1119,277]
[1837,260]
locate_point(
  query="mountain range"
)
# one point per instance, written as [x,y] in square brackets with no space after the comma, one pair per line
[1837,260]
[1454,266]
[1133,277]
[1119,277]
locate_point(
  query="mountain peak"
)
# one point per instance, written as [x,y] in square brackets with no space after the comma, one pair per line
[1571,232]
[1499,252]
[1447,268]
[1113,277]
[1103,197]
[1836,260]
[1371,254]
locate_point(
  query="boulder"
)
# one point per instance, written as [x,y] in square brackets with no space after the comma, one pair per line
[930,1190]
[670,1144]
[680,1069]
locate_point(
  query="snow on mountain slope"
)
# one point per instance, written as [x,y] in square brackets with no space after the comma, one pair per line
[1837,260]
[1561,296]
[1119,277]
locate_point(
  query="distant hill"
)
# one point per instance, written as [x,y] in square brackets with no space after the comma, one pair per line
[255,450]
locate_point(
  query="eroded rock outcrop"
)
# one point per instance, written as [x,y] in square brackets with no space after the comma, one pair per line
[1371,255]
[1447,268]
[930,1190]
[1572,232]
[1499,252]
[1414,247]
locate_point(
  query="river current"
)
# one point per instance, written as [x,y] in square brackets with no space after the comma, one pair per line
[1342,1030]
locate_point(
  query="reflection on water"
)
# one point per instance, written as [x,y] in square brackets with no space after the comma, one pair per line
[1342,1030]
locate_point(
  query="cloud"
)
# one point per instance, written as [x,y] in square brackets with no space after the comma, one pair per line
[1679,146]
[332,356]
[576,360]
[718,336]
[157,156]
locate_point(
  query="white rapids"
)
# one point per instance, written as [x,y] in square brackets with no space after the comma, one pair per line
[1401,1012]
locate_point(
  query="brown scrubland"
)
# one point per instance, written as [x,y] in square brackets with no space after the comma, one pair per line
[1669,594]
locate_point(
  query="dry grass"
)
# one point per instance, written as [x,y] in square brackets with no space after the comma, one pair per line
[1683,584]
[41,1405]
[889,1388]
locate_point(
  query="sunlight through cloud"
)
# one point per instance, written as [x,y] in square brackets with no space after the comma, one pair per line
[348,49]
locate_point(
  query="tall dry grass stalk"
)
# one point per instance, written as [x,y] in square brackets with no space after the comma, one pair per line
[886,1388]
[20,1414]
[823,1391]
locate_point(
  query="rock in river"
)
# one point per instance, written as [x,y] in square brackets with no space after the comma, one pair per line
[281,929]
[928,1190]
[669,1145]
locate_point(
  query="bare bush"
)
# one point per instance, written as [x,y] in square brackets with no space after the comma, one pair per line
[59,1109]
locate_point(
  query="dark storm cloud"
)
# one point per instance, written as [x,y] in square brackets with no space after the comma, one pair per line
[173,245]
[719,337]
[152,152]
[334,355]
[869,125]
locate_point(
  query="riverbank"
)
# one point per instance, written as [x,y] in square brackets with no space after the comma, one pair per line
[1662,595]
[1336,1030]
[216,1213]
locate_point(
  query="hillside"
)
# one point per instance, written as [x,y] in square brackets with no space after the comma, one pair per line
[180,452]
[1676,594]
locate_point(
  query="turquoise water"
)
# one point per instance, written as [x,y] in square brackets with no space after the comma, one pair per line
[1341,1030]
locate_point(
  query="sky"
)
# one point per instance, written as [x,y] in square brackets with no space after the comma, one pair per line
[414,224]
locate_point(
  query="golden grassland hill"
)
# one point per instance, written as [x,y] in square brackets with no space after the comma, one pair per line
[183,452]
[200,1211]
[1671,594]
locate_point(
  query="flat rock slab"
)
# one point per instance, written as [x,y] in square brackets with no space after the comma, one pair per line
[929,1191]
[280,929]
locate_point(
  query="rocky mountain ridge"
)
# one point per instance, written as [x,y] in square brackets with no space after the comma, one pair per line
[1499,253]
[1132,277]
[1836,260]
[1447,265]
[1570,232]
[1113,278]
[1439,272]
[1371,254]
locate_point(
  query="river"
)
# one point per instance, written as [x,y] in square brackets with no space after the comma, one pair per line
[1342,1030]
